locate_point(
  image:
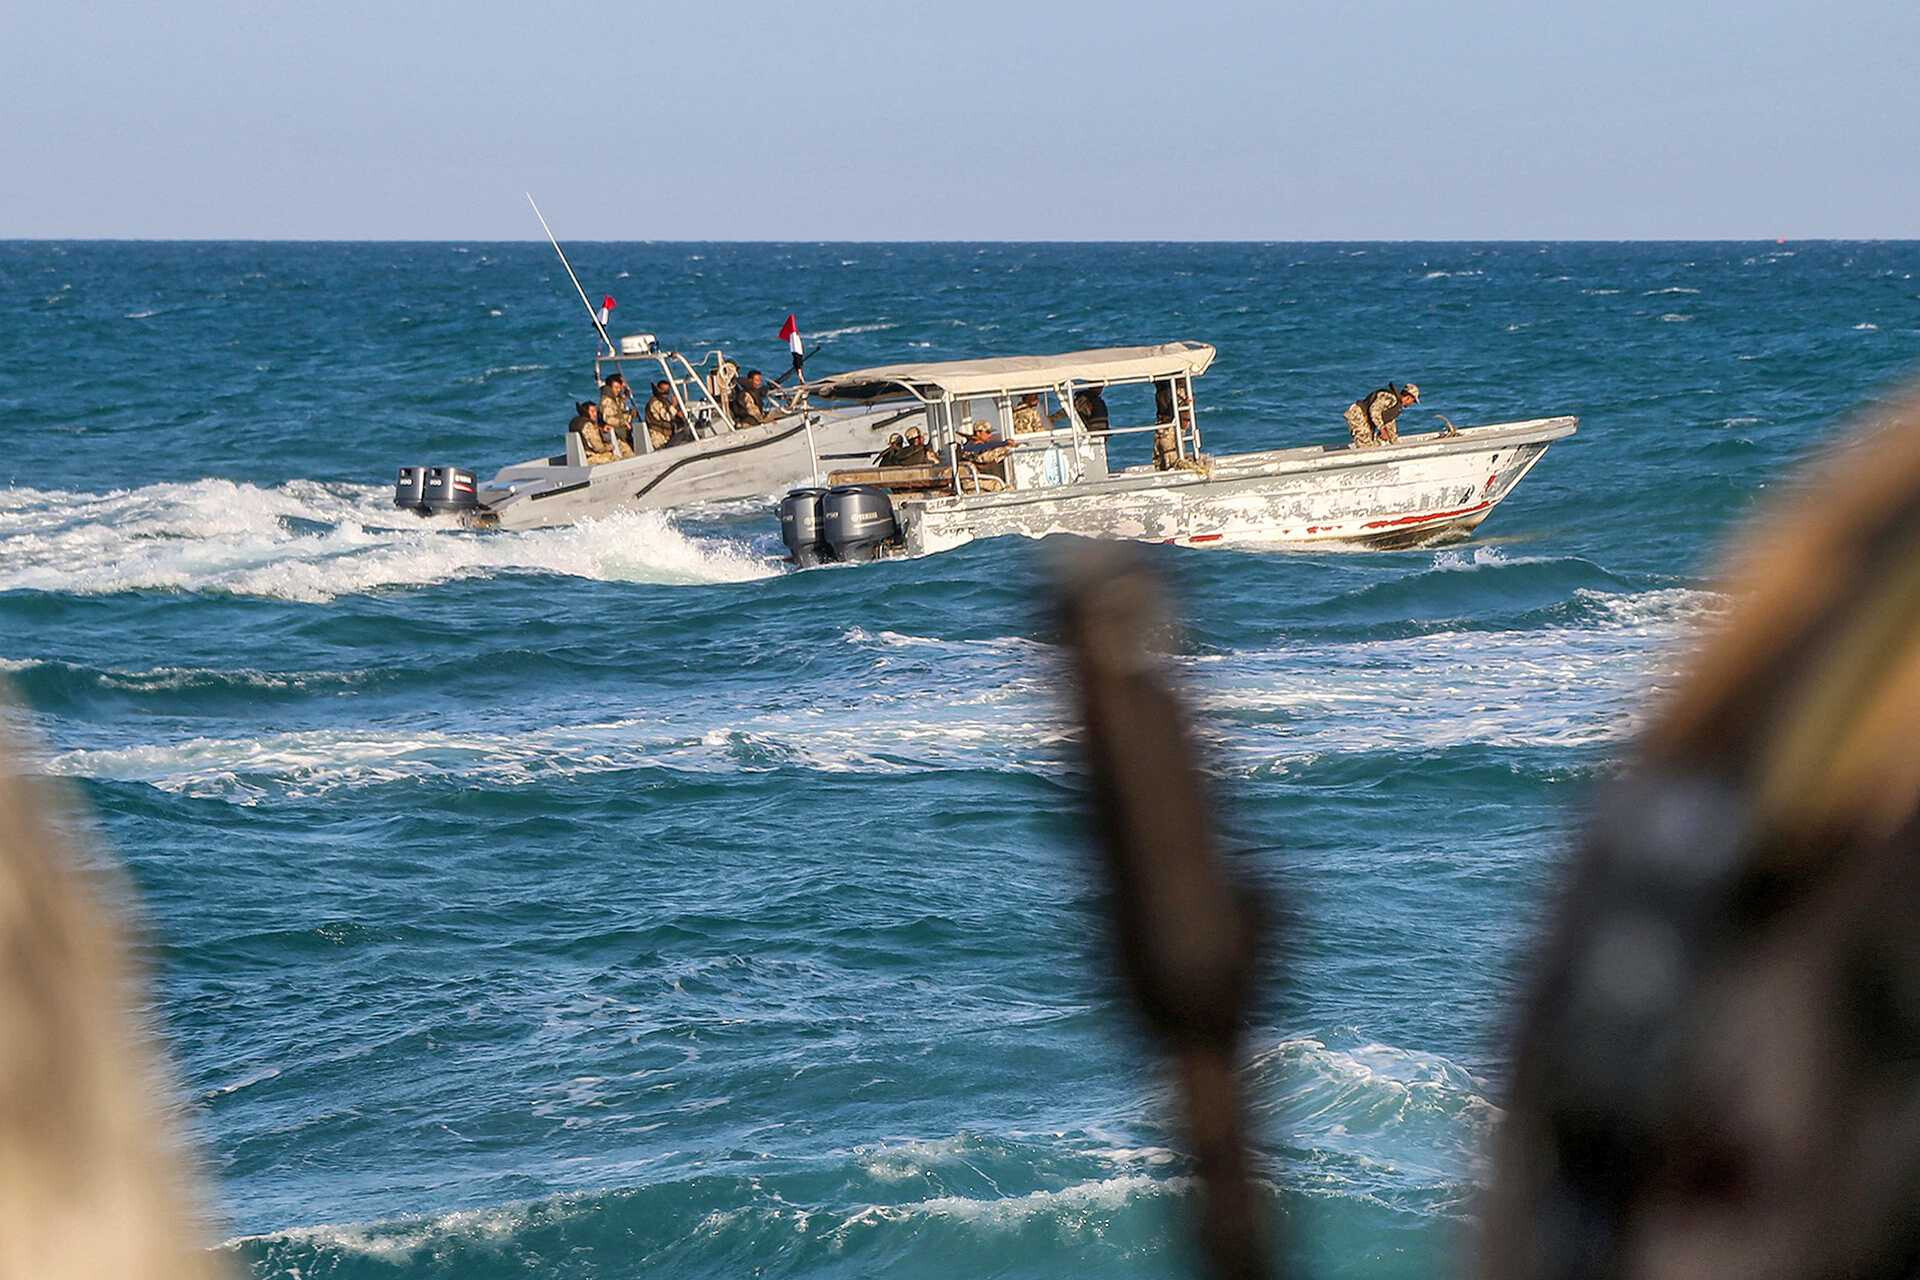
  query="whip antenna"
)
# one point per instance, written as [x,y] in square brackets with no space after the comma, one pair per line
[591,313]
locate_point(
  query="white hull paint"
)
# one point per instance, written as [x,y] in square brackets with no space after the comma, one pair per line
[1425,489]
[751,462]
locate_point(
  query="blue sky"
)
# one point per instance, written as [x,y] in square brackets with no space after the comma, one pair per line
[1365,119]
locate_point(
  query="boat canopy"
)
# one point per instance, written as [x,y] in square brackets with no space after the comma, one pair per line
[1007,375]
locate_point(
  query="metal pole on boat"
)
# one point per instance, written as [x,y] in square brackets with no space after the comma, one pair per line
[813,456]
[591,313]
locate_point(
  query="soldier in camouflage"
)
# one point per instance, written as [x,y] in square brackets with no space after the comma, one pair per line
[1372,417]
[595,443]
[664,419]
[616,412]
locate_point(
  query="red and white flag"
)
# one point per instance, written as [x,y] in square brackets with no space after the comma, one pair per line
[607,304]
[790,331]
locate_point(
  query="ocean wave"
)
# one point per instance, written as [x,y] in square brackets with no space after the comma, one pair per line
[310,542]
[845,330]
[1574,674]
[308,764]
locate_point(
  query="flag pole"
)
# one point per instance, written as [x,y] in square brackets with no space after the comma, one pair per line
[591,313]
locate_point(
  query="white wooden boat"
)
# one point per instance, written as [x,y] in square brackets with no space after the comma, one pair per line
[1427,488]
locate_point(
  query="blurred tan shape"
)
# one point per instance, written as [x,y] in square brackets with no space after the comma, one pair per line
[92,1183]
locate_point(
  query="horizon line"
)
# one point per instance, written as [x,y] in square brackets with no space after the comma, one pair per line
[1209,240]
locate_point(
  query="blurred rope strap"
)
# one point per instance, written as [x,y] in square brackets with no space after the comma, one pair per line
[1185,931]
[91,1183]
[1719,1067]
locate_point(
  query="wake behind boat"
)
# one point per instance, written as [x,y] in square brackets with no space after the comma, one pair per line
[1002,464]
[715,456]
[718,437]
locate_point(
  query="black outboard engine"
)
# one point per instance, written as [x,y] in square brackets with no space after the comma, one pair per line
[410,490]
[802,528]
[449,489]
[858,521]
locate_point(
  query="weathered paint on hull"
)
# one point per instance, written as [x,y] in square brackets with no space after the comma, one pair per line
[1423,490]
[750,463]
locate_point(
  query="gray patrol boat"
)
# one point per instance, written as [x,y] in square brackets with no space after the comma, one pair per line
[713,459]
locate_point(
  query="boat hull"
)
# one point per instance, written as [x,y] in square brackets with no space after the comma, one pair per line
[752,462]
[1424,490]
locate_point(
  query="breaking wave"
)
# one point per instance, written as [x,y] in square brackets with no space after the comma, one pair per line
[1567,670]
[1387,1134]
[310,542]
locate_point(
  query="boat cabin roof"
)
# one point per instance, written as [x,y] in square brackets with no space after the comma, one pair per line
[1008,375]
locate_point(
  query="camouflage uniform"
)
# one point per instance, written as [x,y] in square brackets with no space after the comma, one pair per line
[1166,449]
[748,410]
[616,412]
[1166,441]
[663,416]
[1027,420]
[593,439]
[918,452]
[1371,417]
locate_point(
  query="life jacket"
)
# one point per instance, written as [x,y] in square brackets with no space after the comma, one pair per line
[1388,414]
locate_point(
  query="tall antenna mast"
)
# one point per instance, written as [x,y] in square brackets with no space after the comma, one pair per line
[591,313]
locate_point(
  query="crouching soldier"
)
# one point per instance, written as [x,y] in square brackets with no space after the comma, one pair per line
[1372,417]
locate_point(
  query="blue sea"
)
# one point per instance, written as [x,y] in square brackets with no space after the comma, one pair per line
[617,901]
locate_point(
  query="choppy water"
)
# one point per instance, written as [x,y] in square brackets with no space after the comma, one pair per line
[612,901]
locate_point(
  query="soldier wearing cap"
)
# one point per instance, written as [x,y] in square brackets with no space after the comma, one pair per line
[919,452]
[1372,417]
[1027,418]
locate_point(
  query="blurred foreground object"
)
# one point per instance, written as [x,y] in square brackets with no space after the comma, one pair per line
[1185,930]
[91,1184]
[1718,1071]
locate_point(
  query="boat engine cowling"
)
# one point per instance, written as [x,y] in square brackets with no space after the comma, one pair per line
[448,489]
[803,529]
[858,521]
[410,490]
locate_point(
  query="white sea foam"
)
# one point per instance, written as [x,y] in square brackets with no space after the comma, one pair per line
[397,1240]
[1675,317]
[1654,293]
[1572,683]
[311,542]
[877,327]
[1866,327]
[1077,1207]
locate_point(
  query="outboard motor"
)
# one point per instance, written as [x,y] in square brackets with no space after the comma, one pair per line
[410,490]
[858,521]
[449,489]
[802,528]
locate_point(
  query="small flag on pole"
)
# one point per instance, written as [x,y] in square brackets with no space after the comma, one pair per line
[607,304]
[790,331]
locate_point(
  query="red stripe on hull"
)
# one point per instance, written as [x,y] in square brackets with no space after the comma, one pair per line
[1437,515]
